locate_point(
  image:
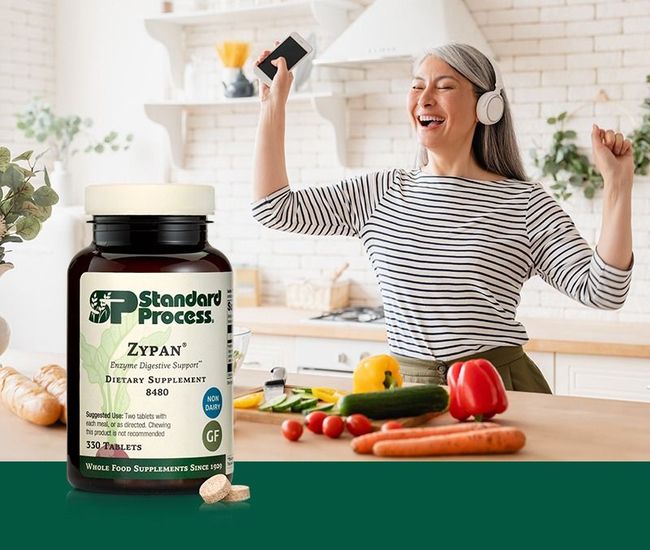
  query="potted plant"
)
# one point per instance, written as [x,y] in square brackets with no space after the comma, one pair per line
[63,134]
[23,209]
[568,167]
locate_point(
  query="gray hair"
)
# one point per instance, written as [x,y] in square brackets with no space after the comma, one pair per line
[494,147]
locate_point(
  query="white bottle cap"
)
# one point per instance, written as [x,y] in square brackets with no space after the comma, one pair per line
[137,199]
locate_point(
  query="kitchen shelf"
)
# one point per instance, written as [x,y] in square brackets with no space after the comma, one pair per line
[169,28]
[172,115]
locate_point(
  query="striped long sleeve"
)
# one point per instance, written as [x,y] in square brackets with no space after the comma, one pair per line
[452,254]
[563,259]
[339,209]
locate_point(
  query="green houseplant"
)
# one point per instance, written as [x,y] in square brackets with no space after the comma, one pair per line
[568,167]
[66,136]
[565,164]
[23,209]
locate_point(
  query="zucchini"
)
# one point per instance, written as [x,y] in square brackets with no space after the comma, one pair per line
[396,402]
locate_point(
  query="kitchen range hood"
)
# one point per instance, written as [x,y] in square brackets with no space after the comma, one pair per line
[393,30]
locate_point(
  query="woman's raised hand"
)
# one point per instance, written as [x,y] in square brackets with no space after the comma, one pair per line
[278,92]
[613,157]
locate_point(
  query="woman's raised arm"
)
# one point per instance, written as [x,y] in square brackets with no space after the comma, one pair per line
[269,166]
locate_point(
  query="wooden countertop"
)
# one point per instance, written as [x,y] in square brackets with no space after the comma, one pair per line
[546,335]
[557,428]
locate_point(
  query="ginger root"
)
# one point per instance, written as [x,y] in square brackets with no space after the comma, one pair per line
[54,380]
[26,399]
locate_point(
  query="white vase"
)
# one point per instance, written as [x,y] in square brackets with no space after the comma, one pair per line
[5,333]
[62,183]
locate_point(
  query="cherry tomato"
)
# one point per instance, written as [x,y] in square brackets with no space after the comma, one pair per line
[391,425]
[292,430]
[333,426]
[314,421]
[358,424]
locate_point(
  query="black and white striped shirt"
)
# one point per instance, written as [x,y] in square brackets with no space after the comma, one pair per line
[451,254]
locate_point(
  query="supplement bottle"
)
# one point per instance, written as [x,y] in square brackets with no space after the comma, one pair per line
[149,344]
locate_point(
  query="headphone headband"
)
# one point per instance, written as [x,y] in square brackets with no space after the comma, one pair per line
[498,81]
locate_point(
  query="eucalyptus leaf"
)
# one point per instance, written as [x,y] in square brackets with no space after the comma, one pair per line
[28,227]
[45,196]
[26,172]
[41,212]
[11,239]
[5,158]
[12,177]
[23,156]
[46,177]
[5,208]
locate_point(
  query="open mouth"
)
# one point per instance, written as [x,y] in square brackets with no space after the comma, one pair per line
[430,121]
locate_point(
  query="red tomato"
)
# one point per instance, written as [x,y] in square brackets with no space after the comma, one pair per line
[292,430]
[358,424]
[314,421]
[333,426]
[391,425]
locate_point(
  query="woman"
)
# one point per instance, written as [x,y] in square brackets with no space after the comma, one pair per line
[453,241]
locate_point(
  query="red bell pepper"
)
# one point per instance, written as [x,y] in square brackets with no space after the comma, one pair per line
[475,389]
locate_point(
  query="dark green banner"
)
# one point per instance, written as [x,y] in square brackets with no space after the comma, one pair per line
[371,505]
[142,468]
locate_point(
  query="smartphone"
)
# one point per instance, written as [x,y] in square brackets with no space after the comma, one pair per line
[294,49]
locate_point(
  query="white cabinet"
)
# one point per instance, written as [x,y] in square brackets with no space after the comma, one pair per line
[334,356]
[546,363]
[265,352]
[606,377]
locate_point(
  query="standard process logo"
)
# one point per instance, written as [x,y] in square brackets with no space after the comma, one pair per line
[153,307]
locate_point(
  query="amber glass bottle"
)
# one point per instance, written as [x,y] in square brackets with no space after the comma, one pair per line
[149,344]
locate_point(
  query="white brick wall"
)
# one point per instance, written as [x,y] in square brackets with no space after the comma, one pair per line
[26,62]
[555,55]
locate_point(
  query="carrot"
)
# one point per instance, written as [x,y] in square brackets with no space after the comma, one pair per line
[490,441]
[364,443]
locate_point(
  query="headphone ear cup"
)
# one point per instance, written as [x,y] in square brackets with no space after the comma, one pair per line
[489,108]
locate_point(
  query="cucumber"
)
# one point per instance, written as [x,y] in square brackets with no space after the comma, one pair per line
[287,403]
[326,407]
[306,403]
[268,405]
[396,402]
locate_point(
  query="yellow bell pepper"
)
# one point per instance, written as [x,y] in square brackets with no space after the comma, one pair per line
[328,395]
[376,373]
[249,401]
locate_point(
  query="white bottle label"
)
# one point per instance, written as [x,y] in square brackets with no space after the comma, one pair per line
[155,387]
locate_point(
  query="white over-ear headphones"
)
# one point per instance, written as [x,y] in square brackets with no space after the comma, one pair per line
[489,108]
